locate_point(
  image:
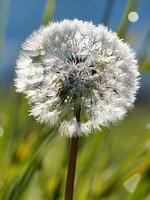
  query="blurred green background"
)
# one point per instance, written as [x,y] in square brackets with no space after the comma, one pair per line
[113,164]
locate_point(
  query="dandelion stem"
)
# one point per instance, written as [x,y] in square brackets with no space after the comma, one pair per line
[72,161]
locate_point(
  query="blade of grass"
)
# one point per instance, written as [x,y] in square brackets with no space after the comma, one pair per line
[107,12]
[143,188]
[15,191]
[18,188]
[144,53]
[49,11]
[124,24]
[126,170]
[4,10]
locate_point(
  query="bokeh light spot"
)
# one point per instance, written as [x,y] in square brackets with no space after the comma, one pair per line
[133,16]
[132,182]
[1,131]
[148,125]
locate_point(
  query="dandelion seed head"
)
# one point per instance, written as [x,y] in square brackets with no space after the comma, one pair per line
[73,63]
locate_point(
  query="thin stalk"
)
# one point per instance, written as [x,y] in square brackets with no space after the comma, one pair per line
[72,161]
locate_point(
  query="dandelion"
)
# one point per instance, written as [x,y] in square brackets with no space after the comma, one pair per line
[77,75]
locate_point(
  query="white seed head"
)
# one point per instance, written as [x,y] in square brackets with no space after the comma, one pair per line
[73,63]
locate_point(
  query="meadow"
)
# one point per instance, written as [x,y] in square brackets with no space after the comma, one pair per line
[112,164]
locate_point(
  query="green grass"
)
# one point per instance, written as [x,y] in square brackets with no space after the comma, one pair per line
[34,157]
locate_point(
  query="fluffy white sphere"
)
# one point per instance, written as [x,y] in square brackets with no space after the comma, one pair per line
[75,63]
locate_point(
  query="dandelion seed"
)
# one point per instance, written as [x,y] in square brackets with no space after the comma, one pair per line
[74,63]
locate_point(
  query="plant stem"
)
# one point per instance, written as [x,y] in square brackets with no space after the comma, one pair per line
[72,161]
